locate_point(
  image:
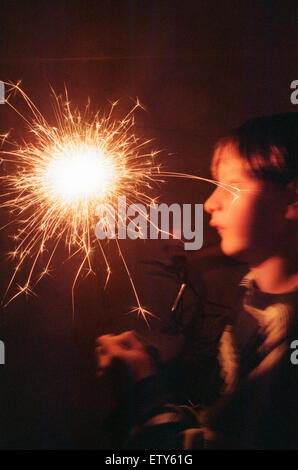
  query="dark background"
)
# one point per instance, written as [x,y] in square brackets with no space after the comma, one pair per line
[200,68]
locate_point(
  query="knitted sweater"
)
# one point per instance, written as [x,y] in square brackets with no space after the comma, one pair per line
[258,408]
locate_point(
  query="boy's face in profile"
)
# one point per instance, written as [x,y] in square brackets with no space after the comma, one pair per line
[251,221]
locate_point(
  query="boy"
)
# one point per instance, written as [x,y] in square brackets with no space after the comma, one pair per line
[255,211]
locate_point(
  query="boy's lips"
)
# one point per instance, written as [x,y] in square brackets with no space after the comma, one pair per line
[217,226]
[220,230]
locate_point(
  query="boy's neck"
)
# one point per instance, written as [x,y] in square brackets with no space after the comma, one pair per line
[276,275]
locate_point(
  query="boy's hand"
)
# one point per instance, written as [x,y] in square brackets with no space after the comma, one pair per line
[127,348]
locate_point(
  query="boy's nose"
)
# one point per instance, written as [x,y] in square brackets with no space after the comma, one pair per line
[212,203]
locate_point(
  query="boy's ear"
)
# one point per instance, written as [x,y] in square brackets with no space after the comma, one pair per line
[292,207]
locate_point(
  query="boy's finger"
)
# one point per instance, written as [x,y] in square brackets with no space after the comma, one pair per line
[128,340]
[100,351]
[102,339]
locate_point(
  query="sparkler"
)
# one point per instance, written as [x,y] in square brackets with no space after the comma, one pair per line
[60,177]
[63,174]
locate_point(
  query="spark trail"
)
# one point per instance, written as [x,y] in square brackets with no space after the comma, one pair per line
[59,176]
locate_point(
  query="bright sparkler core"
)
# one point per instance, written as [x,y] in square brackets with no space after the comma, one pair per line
[79,174]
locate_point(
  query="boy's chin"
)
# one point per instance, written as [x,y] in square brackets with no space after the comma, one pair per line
[234,251]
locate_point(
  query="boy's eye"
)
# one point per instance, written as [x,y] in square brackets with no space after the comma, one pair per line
[234,183]
[231,185]
[238,184]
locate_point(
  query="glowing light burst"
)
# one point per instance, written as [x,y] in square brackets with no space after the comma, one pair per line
[63,174]
[55,182]
[78,173]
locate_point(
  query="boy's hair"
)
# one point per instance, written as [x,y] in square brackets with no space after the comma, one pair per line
[268,146]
